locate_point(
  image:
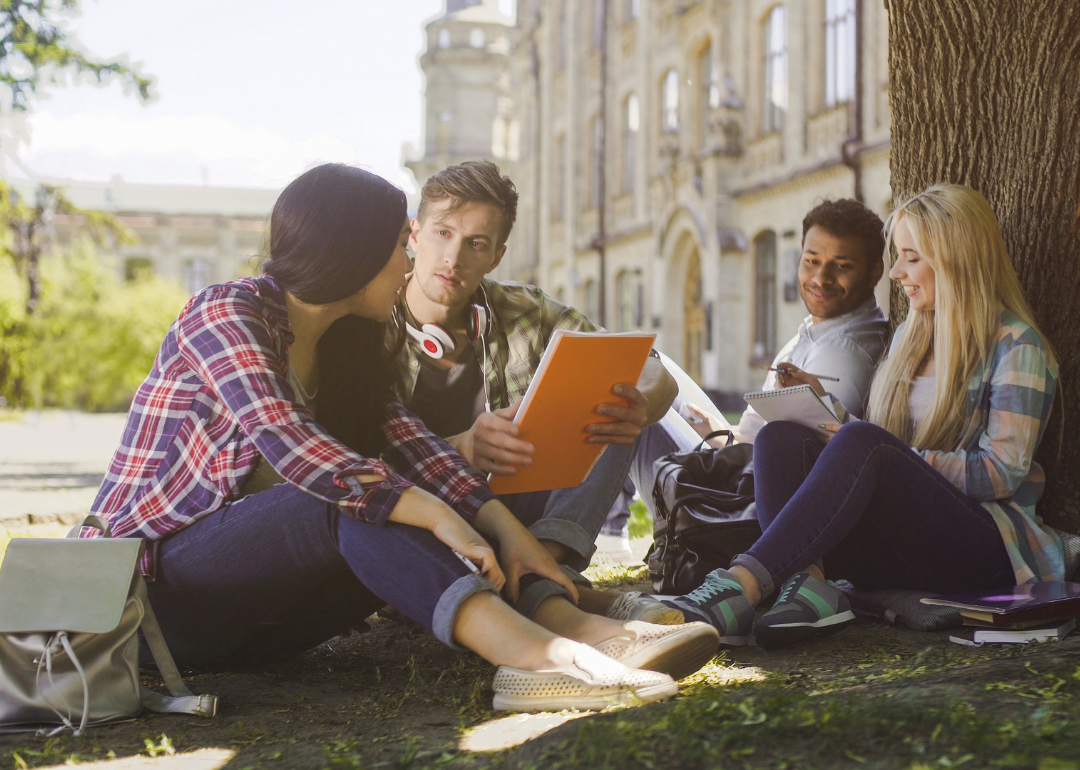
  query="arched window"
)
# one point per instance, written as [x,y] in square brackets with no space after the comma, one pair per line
[444,38]
[776,79]
[197,273]
[633,9]
[558,181]
[595,150]
[764,296]
[669,102]
[708,91]
[631,126]
[476,38]
[626,301]
[591,292]
[839,51]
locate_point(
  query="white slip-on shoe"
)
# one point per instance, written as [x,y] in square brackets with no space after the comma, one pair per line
[593,682]
[634,605]
[678,651]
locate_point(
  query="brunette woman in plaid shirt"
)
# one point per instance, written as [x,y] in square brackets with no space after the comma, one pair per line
[280,512]
[936,491]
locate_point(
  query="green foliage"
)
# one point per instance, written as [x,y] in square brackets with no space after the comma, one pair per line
[32,45]
[92,338]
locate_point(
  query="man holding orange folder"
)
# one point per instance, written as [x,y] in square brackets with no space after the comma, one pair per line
[472,347]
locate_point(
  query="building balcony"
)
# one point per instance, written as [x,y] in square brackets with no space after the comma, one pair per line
[827,130]
[765,153]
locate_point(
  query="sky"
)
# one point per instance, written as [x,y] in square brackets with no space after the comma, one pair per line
[249,93]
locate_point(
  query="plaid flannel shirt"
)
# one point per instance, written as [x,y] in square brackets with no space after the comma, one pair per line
[217,397]
[523,319]
[1009,403]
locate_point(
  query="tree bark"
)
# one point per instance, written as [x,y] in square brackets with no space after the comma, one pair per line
[987,93]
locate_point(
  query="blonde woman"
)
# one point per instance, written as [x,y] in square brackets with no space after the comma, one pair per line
[936,491]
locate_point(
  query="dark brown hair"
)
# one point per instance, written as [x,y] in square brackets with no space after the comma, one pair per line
[474,181]
[847,218]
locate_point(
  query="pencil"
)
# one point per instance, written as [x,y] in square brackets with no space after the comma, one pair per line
[781,370]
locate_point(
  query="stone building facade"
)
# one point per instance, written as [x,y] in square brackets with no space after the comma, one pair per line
[197,236]
[667,151]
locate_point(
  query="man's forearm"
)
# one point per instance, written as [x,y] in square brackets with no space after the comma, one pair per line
[658,387]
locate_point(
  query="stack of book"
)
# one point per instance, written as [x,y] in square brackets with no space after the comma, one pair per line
[1036,612]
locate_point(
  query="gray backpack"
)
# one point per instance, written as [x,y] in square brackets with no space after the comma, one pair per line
[70,613]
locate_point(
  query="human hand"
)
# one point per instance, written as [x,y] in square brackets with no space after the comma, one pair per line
[491,444]
[629,420]
[454,532]
[830,428]
[522,554]
[709,424]
[789,375]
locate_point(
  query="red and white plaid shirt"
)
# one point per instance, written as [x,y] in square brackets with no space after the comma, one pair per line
[217,397]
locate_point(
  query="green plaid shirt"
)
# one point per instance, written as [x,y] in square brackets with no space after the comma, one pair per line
[523,319]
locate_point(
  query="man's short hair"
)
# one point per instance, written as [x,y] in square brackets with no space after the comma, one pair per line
[847,218]
[474,181]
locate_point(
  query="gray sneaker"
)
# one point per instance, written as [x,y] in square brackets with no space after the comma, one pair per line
[720,601]
[806,607]
[634,605]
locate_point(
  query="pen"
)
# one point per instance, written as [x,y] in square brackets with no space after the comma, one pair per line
[781,370]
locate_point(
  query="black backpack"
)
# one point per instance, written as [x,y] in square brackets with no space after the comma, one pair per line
[705,514]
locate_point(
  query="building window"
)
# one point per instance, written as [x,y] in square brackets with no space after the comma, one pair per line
[708,90]
[669,103]
[595,160]
[476,38]
[776,83]
[765,296]
[631,126]
[633,9]
[444,38]
[196,275]
[599,18]
[564,33]
[138,268]
[591,304]
[839,51]
[629,300]
[558,181]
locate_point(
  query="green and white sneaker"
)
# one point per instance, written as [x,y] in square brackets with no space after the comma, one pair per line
[720,601]
[806,607]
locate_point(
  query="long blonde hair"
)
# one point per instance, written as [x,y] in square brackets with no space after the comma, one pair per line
[955,231]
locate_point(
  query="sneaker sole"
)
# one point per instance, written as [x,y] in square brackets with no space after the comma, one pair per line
[649,694]
[679,654]
[774,637]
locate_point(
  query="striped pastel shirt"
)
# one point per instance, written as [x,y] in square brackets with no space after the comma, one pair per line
[1009,403]
[218,397]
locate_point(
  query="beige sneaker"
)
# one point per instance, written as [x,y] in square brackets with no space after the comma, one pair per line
[635,605]
[678,651]
[593,682]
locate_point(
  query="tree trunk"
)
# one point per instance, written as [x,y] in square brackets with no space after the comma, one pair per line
[987,93]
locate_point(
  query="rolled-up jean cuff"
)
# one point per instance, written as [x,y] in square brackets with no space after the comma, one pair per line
[567,533]
[757,569]
[536,593]
[442,621]
[575,576]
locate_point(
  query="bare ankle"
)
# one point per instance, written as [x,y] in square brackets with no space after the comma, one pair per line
[750,585]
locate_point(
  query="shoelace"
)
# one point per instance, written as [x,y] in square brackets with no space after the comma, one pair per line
[788,588]
[710,588]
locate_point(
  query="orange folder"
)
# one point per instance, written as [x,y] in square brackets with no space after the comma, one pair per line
[576,374]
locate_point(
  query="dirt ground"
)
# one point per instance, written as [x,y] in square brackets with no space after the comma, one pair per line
[871,696]
[394,697]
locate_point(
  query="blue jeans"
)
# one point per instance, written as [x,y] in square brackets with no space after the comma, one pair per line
[871,510]
[280,571]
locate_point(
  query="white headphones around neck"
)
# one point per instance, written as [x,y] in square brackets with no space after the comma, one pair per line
[436,341]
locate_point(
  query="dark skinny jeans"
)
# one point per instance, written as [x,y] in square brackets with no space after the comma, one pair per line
[871,510]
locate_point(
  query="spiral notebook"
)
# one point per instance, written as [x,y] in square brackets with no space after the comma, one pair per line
[796,404]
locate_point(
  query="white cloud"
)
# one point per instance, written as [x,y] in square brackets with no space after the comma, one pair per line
[193,149]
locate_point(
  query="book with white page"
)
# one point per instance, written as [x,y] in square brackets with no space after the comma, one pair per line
[1046,633]
[796,404]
